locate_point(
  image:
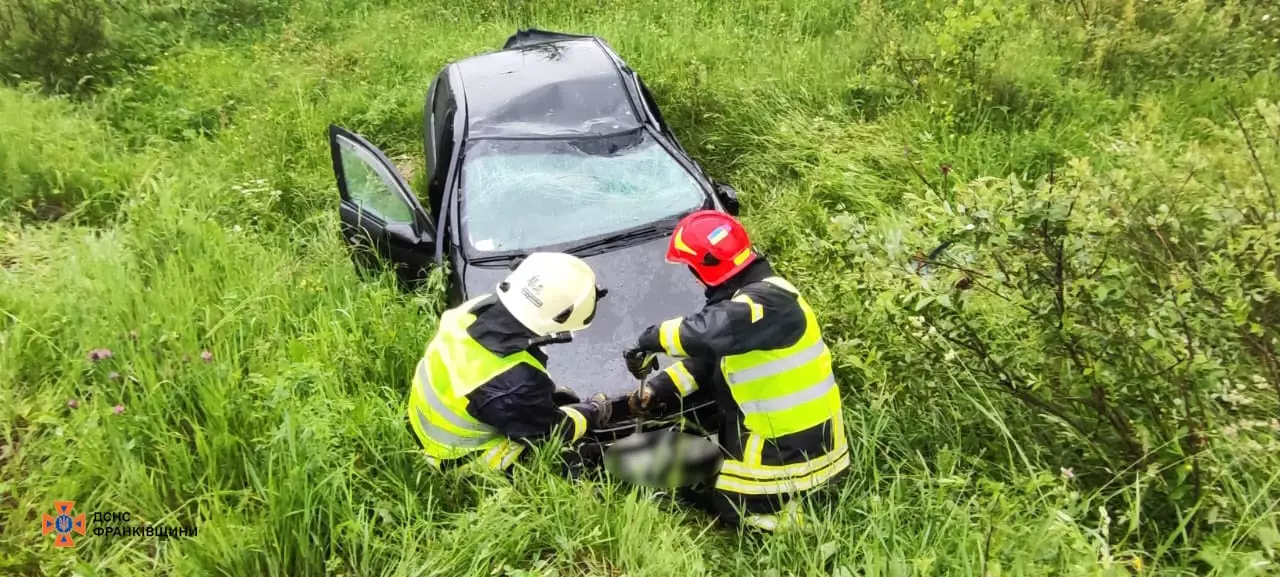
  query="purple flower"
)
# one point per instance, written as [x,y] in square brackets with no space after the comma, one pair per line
[98,354]
[114,376]
[206,356]
[119,410]
[74,404]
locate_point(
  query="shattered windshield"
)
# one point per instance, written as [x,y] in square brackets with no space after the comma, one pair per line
[521,195]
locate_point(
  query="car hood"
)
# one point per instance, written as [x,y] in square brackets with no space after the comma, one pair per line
[644,290]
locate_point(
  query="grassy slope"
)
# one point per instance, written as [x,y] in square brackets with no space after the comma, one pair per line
[209,226]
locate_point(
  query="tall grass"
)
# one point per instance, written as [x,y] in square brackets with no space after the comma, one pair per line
[180,213]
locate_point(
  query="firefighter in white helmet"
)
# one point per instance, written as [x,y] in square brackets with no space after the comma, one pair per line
[482,390]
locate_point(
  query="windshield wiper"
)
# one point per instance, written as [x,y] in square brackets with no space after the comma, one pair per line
[654,230]
[497,258]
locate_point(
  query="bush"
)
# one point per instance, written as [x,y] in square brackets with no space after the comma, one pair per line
[1135,311]
[66,45]
[79,46]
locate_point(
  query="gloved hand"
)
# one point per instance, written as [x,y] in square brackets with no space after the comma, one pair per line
[640,401]
[602,409]
[564,396]
[640,362]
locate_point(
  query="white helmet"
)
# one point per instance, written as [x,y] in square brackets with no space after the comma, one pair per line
[551,292]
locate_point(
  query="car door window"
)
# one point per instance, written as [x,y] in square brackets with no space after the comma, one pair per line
[370,186]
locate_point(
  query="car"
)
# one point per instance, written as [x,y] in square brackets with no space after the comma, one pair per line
[551,143]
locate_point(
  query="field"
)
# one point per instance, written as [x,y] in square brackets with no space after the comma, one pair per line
[1042,238]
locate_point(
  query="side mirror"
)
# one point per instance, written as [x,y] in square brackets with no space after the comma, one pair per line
[728,197]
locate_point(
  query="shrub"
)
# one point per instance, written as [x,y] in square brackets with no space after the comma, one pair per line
[65,45]
[79,46]
[1134,310]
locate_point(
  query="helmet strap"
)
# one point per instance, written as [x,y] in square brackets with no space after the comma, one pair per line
[551,339]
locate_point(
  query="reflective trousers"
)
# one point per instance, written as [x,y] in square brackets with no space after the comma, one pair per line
[760,512]
[582,460]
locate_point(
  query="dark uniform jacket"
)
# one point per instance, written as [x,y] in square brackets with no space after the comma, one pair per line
[725,327]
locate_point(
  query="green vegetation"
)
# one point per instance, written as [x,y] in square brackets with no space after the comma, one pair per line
[1086,381]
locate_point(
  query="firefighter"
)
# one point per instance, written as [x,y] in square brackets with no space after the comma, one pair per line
[481,391]
[756,343]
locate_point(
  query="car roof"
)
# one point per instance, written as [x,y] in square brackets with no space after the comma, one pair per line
[563,88]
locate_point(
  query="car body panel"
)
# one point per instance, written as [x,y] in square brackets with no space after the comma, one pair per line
[644,290]
[568,88]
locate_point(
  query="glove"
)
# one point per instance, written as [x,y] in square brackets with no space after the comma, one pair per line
[601,411]
[563,396]
[640,362]
[640,401]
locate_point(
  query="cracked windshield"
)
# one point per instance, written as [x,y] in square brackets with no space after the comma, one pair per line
[522,195]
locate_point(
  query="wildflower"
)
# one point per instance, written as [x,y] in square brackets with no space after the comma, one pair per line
[206,356]
[945,168]
[1068,473]
[119,410]
[114,376]
[98,354]
[73,404]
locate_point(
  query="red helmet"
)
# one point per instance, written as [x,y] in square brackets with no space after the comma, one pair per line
[713,244]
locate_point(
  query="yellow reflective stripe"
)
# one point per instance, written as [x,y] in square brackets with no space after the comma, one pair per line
[788,517]
[511,455]
[782,284]
[493,457]
[683,381]
[726,482]
[679,243]
[669,337]
[501,456]
[579,422]
[762,522]
[466,424]
[790,401]
[443,437]
[779,365]
[757,471]
[757,311]
[742,256]
[752,452]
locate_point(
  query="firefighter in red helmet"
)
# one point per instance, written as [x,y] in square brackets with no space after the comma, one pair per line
[757,344]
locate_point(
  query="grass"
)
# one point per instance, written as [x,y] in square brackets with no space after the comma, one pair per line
[187,206]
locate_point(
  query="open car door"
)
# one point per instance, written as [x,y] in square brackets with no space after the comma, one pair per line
[381,217]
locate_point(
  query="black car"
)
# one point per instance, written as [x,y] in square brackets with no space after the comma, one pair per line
[550,144]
